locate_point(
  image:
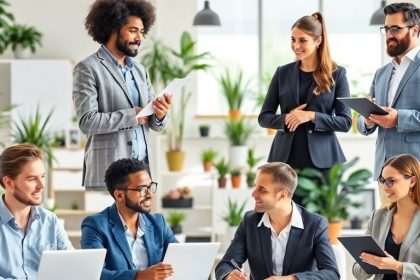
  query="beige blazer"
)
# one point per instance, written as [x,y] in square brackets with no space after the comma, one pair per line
[378,227]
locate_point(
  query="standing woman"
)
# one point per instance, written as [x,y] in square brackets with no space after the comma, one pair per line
[396,227]
[306,92]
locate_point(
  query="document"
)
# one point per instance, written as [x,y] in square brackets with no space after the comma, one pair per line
[363,106]
[356,245]
[174,87]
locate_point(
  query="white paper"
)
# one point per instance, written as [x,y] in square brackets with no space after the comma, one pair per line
[174,87]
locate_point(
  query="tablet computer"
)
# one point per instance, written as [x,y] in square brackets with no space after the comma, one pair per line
[191,261]
[362,105]
[356,245]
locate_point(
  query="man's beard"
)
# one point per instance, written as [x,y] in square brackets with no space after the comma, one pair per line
[24,199]
[401,46]
[123,46]
[136,207]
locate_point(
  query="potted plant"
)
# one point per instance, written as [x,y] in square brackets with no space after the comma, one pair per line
[204,130]
[23,39]
[207,157]
[331,197]
[234,90]
[235,177]
[6,19]
[180,197]
[174,219]
[238,133]
[235,211]
[165,64]
[252,162]
[222,168]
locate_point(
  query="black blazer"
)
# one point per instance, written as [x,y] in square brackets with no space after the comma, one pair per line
[309,254]
[331,116]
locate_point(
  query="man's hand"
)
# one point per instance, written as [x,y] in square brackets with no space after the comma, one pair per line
[158,271]
[387,262]
[288,277]
[386,121]
[297,116]
[161,105]
[237,275]
[142,120]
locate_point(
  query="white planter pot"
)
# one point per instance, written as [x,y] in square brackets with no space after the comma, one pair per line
[21,53]
[238,156]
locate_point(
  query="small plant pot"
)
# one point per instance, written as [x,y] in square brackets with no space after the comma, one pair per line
[176,229]
[204,131]
[175,160]
[236,181]
[235,115]
[334,231]
[356,223]
[221,181]
[271,131]
[207,166]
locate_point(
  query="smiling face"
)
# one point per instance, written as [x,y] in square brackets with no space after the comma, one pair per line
[27,187]
[401,185]
[133,200]
[129,37]
[266,195]
[304,45]
[397,45]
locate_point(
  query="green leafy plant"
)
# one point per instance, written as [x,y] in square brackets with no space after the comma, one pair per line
[25,36]
[331,198]
[222,167]
[208,155]
[34,131]
[235,211]
[6,19]
[252,160]
[235,172]
[175,218]
[238,132]
[234,89]
[165,64]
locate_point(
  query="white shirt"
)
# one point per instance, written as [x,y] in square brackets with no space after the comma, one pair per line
[279,242]
[399,71]
[136,245]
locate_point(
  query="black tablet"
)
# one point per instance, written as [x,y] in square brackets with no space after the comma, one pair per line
[362,105]
[356,245]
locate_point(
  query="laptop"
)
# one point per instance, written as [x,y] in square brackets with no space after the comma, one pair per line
[191,261]
[71,264]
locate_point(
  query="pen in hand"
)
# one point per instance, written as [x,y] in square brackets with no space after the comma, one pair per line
[235,265]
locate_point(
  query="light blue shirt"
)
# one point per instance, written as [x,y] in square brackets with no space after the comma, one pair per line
[20,251]
[139,150]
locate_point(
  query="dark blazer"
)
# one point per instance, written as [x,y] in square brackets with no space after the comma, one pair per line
[309,254]
[105,230]
[331,116]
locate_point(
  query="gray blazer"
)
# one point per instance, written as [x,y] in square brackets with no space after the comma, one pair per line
[405,138]
[106,115]
[378,228]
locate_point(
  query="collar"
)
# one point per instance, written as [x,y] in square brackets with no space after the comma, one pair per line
[140,224]
[128,60]
[411,55]
[295,221]
[6,216]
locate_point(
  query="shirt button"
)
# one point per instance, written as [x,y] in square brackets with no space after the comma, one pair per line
[310,131]
[129,143]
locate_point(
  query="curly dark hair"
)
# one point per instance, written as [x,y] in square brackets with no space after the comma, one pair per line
[108,16]
[117,173]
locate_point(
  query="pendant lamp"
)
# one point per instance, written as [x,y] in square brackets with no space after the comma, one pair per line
[378,17]
[206,16]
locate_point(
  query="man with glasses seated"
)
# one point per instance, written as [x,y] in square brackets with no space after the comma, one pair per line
[135,239]
[396,88]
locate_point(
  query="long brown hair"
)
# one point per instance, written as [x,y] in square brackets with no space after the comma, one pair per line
[314,25]
[407,165]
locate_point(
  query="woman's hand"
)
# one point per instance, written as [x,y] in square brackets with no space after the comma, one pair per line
[297,117]
[387,262]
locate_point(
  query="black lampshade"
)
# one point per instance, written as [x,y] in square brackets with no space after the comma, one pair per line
[378,17]
[206,16]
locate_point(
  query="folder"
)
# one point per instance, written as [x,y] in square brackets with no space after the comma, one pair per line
[362,105]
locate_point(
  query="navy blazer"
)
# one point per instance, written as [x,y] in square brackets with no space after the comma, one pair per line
[309,254]
[331,116]
[105,230]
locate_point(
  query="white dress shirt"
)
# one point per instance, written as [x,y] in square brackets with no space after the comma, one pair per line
[279,242]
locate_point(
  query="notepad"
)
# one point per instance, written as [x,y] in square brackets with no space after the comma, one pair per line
[363,106]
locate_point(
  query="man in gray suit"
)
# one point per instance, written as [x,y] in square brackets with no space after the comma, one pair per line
[280,240]
[396,88]
[110,89]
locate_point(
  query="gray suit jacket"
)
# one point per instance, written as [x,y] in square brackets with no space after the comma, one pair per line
[378,228]
[308,255]
[405,138]
[106,115]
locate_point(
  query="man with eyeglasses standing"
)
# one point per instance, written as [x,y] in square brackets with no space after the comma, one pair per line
[136,240]
[396,88]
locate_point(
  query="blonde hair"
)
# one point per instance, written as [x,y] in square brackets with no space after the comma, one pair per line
[407,165]
[315,26]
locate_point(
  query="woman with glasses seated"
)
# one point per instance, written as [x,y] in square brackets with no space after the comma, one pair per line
[396,228]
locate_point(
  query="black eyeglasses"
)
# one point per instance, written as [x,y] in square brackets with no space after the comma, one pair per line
[389,182]
[395,30]
[143,189]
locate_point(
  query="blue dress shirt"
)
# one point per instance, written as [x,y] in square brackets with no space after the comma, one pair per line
[20,251]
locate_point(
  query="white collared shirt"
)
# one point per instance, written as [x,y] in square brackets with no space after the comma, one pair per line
[399,71]
[136,245]
[279,242]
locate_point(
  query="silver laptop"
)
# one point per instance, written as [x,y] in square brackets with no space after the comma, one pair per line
[71,264]
[191,261]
